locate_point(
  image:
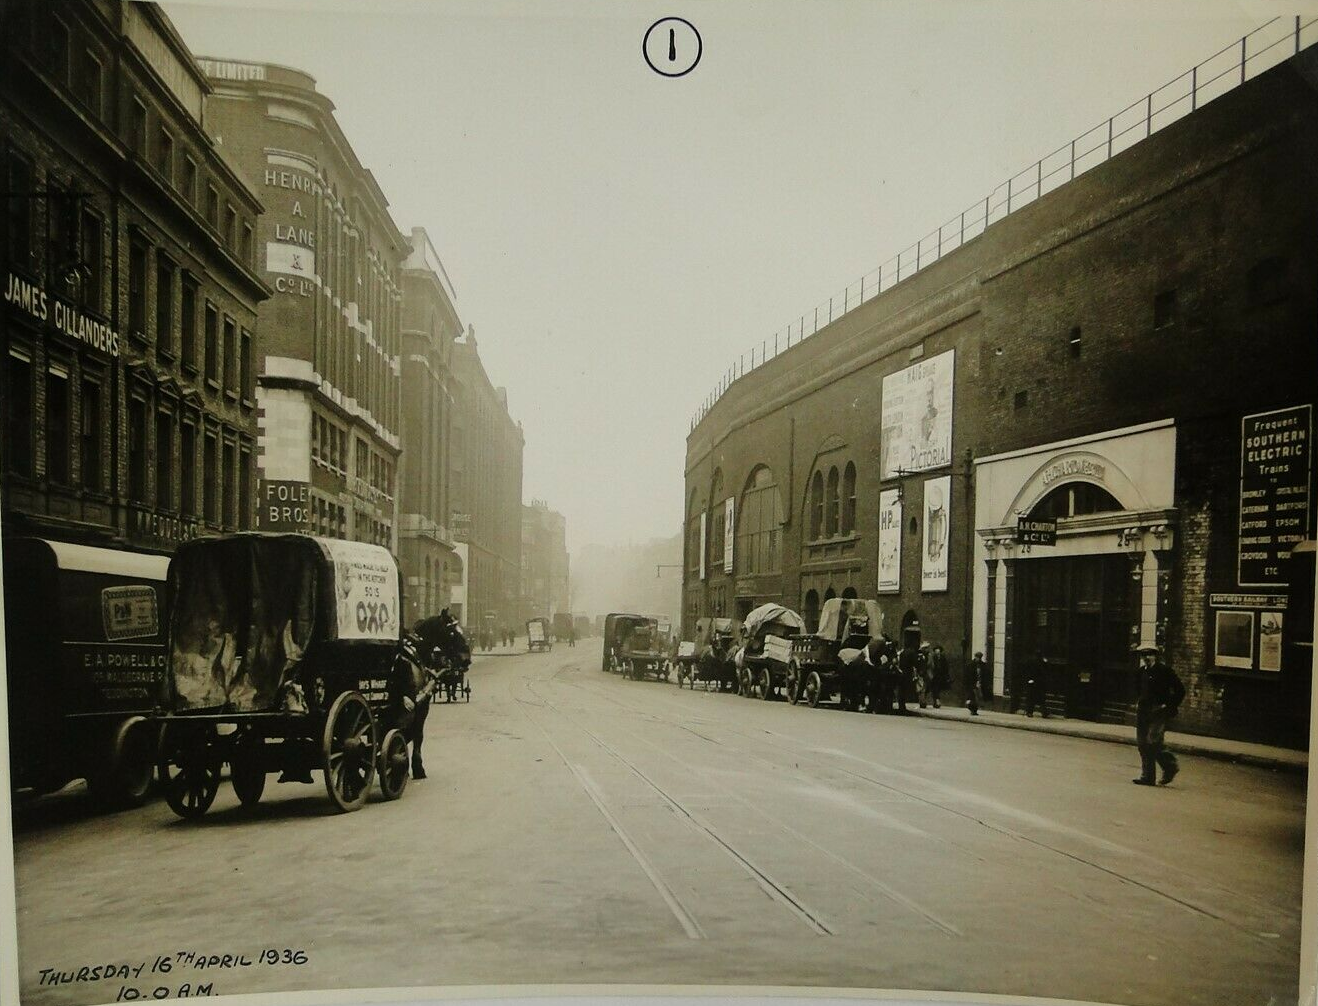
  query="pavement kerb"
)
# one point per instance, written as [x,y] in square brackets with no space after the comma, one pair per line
[1278,759]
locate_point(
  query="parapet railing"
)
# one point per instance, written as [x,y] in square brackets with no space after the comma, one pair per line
[1263,48]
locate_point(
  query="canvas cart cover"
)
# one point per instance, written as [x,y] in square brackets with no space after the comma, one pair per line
[839,610]
[768,617]
[248,606]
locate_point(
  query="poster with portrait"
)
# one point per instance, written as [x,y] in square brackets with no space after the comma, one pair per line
[890,541]
[1270,623]
[917,417]
[934,546]
[729,528]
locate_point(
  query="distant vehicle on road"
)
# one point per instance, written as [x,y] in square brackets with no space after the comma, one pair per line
[581,623]
[562,626]
[85,657]
[709,657]
[631,647]
[537,635]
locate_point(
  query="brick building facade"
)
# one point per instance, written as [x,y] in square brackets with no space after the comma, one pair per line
[545,588]
[430,325]
[329,366]
[485,492]
[130,300]
[1129,360]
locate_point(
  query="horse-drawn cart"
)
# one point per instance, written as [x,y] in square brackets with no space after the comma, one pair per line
[762,662]
[823,663]
[632,648]
[537,636]
[710,656]
[286,655]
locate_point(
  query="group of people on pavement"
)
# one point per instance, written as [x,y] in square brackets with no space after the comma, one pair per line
[916,672]
[488,639]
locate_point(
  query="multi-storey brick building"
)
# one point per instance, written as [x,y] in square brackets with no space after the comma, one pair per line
[1128,362]
[544,562]
[430,326]
[485,475]
[328,366]
[130,291]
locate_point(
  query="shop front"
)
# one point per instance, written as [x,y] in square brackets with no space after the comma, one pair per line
[1074,547]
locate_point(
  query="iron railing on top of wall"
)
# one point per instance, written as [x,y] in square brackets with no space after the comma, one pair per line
[1271,43]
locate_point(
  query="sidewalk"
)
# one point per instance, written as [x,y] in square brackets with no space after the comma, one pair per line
[1262,755]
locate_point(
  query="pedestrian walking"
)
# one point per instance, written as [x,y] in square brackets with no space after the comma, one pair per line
[572,637]
[985,680]
[908,668]
[974,675]
[1160,696]
[1036,685]
[922,682]
[940,677]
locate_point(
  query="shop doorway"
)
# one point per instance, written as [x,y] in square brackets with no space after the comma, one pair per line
[1077,610]
[910,630]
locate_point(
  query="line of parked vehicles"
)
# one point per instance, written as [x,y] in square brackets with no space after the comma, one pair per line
[770,654]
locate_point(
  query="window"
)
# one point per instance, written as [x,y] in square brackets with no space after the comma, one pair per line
[59,51]
[18,218]
[816,506]
[245,385]
[188,322]
[18,394]
[89,434]
[137,289]
[164,460]
[59,236]
[230,500]
[137,450]
[1267,282]
[164,307]
[165,154]
[137,126]
[1075,499]
[57,423]
[209,497]
[91,84]
[759,531]
[189,179]
[1164,309]
[212,344]
[362,471]
[230,227]
[831,504]
[1074,343]
[247,244]
[212,206]
[244,489]
[1021,399]
[230,356]
[93,258]
[187,469]
[849,498]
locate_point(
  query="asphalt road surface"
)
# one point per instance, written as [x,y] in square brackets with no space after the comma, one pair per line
[580,828]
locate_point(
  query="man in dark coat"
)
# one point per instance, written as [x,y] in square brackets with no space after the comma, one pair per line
[974,676]
[1161,694]
[1036,685]
[940,676]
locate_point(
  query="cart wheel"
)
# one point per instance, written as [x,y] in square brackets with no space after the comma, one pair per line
[466,692]
[189,768]
[392,767]
[629,670]
[766,685]
[813,686]
[348,747]
[247,769]
[793,682]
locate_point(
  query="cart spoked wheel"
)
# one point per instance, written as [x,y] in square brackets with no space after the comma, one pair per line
[247,769]
[766,685]
[189,768]
[793,682]
[466,691]
[813,686]
[349,751]
[393,765]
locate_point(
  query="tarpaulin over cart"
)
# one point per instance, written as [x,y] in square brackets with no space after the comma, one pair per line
[847,616]
[248,607]
[773,618]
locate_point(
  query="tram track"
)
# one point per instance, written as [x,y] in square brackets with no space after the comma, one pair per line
[1202,907]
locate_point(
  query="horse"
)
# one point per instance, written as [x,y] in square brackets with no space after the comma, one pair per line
[438,644]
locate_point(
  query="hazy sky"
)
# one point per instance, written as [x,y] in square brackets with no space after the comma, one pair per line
[617,238]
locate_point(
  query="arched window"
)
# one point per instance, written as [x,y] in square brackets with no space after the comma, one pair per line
[849,593]
[816,506]
[810,610]
[831,506]
[759,525]
[849,498]
[693,535]
[716,524]
[830,594]
[1074,499]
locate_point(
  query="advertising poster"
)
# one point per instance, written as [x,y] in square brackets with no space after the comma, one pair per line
[917,417]
[365,590]
[729,527]
[890,541]
[1234,639]
[937,520]
[704,537]
[1270,623]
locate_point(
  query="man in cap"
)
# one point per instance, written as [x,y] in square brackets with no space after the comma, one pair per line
[1160,695]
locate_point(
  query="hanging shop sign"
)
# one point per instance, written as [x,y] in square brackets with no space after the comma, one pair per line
[937,520]
[890,542]
[1031,531]
[917,417]
[1276,456]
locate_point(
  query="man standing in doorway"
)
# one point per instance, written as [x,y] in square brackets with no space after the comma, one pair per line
[1161,694]
[1036,685]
